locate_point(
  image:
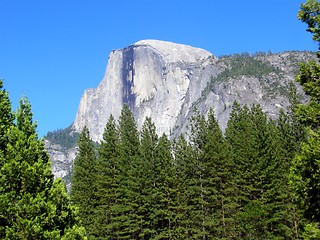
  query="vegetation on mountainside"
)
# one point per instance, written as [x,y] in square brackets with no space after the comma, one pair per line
[239,65]
[246,65]
[66,138]
[258,66]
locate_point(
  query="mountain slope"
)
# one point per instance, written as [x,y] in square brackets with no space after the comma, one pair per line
[165,81]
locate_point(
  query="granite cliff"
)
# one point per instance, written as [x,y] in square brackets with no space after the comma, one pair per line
[154,78]
[165,81]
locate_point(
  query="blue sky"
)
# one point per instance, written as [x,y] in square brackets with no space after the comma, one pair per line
[50,51]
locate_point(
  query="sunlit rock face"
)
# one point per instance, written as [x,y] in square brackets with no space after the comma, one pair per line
[154,78]
[62,161]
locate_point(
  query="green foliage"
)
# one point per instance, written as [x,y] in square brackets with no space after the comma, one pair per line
[309,13]
[6,116]
[305,169]
[185,185]
[24,118]
[163,193]
[67,138]
[126,219]
[261,168]
[305,176]
[309,78]
[32,204]
[212,186]
[311,231]
[107,173]
[231,187]
[247,65]
[83,178]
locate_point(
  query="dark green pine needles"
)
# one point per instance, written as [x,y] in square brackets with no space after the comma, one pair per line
[32,204]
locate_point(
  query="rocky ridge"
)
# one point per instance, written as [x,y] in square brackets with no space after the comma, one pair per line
[166,81]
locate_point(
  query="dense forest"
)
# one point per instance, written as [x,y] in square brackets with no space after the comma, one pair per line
[206,185]
[257,180]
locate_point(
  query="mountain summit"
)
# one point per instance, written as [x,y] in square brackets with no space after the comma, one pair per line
[155,78]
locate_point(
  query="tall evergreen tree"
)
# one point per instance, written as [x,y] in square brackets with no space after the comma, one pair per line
[219,166]
[199,204]
[291,134]
[6,117]
[185,185]
[125,222]
[32,204]
[83,179]
[163,214]
[240,138]
[149,142]
[106,180]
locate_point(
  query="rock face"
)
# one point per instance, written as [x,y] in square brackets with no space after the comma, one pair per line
[165,81]
[62,160]
[153,78]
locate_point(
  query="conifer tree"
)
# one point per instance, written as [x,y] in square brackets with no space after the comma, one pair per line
[199,203]
[32,204]
[211,194]
[106,180]
[185,185]
[125,222]
[83,179]
[219,166]
[6,116]
[163,194]
[149,141]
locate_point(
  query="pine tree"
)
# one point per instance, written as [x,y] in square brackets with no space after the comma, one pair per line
[32,204]
[149,141]
[199,202]
[6,117]
[83,179]
[219,166]
[185,185]
[291,134]
[106,180]
[125,221]
[281,218]
[242,144]
[163,193]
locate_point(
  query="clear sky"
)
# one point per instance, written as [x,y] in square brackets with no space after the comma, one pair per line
[52,50]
